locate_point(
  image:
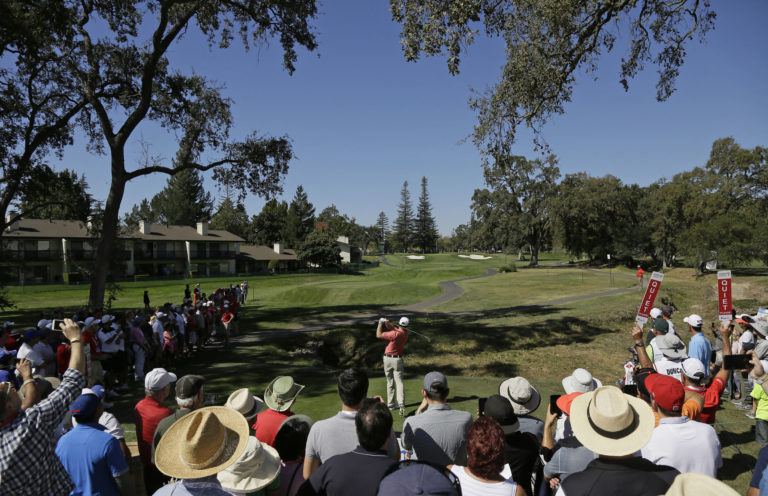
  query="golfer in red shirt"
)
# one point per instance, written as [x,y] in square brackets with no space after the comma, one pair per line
[397,335]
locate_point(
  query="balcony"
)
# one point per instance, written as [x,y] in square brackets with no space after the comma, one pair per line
[213,255]
[82,254]
[159,255]
[32,255]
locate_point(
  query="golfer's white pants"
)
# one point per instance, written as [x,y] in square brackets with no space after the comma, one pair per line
[393,370]
[139,356]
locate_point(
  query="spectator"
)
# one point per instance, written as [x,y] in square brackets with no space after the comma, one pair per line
[106,420]
[524,399]
[244,402]
[279,397]
[338,435]
[146,301]
[671,353]
[359,472]
[140,347]
[699,485]
[189,397]
[659,327]
[693,375]
[580,381]
[420,479]
[26,433]
[521,449]
[92,457]
[254,473]
[485,461]
[666,314]
[568,455]
[437,433]
[198,447]
[148,414]
[291,443]
[760,413]
[679,442]
[757,472]
[615,426]
[699,346]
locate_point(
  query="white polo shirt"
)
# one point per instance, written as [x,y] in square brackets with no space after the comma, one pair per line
[686,445]
[105,336]
[671,368]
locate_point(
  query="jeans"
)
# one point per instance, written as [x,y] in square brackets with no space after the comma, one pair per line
[393,370]
[761,432]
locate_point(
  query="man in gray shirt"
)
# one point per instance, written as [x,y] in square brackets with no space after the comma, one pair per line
[337,435]
[437,433]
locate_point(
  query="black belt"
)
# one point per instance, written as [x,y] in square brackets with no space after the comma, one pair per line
[391,355]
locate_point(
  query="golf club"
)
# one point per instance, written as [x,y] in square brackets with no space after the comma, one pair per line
[411,331]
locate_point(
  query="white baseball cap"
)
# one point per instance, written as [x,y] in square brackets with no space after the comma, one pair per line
[43,323]
[158,378]
[106,319]
[26,351]
[694,369]
[91,321]
[404,322]
[656,313]
[694,320]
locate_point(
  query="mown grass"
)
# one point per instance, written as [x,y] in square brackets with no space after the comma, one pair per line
[504,325]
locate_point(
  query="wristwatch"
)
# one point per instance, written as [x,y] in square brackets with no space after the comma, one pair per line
[760,380]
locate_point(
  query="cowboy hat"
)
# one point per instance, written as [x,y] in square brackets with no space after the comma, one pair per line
[258,466]
[580,381]
[611,423]
[244,402]
[523,396]
[281,393]
[202,443]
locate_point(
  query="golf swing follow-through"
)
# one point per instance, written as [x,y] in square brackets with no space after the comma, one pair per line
[397,337]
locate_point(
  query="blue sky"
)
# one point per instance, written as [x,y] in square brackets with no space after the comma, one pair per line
[362,120]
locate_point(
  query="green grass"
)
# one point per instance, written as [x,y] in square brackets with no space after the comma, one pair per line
[504,325]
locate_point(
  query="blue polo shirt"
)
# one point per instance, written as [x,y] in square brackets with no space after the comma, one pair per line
[699,347]
[92,458]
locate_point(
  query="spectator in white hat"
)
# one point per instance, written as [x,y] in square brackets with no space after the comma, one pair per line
[397,337]
[524,399]
[699,346]
[247,404]
[148,414]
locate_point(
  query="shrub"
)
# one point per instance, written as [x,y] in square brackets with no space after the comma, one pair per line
[508,268]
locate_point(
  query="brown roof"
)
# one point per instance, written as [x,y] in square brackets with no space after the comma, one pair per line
[261,252]
[162,232]
[44,228]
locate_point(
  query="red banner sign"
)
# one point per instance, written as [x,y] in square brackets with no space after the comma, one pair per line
[724,300]
[651,291]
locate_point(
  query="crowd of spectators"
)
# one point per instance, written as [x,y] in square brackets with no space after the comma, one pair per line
[57,435]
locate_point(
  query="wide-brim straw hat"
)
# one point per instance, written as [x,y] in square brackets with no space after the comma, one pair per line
[244,402]
[523,396]
[258,466]
[693,484]
[611,423]
[202,443]
[281,393]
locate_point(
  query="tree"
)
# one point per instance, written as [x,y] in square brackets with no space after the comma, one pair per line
[320,249]
[183,201]
[382,232]
[268,226]
[116,81]
[231,217]
[547,44]
[141,212]
[301,218]
[56,195]
[402,237]
[425,232]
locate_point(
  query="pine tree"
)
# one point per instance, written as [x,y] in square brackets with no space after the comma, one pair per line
[425,230]
[183,201]
[231,217]
[382,231]
[142,211]
[403,234]
[267,228]
[301,219]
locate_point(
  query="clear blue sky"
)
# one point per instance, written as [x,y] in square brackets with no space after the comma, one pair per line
[362,120]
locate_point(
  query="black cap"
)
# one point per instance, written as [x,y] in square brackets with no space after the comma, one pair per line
[188,386]
[500,409]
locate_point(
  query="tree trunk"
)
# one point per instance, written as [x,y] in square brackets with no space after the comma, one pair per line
[534,255]
[109,230]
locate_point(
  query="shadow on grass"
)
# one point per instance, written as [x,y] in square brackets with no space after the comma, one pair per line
[736,465]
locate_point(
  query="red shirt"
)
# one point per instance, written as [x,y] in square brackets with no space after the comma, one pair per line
[148,413]
[640,273]
[268,423]
[711,401]
[63,353]
[227,317]
[397,338]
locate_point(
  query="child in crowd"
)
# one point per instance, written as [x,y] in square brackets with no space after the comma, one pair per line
[760,414]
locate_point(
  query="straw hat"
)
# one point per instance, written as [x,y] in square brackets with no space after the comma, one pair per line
[202,443]
[281,393]
[611,423]
[692,484]
[244,402]
[257,468]
[523,396]
[580,381]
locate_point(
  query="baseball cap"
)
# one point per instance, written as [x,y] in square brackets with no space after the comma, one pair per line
[694,369]
[666,391]
[694,320]
[655,313]
[641,374]
[188,386]
[661,325]
[564,401]
[404,322]
[91,321]
[43,323]
[106,319]
[84,406]
[414,478]
[500,409]
[158,378]
[96,389]
[32,333]
[434,381]
[8,324]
